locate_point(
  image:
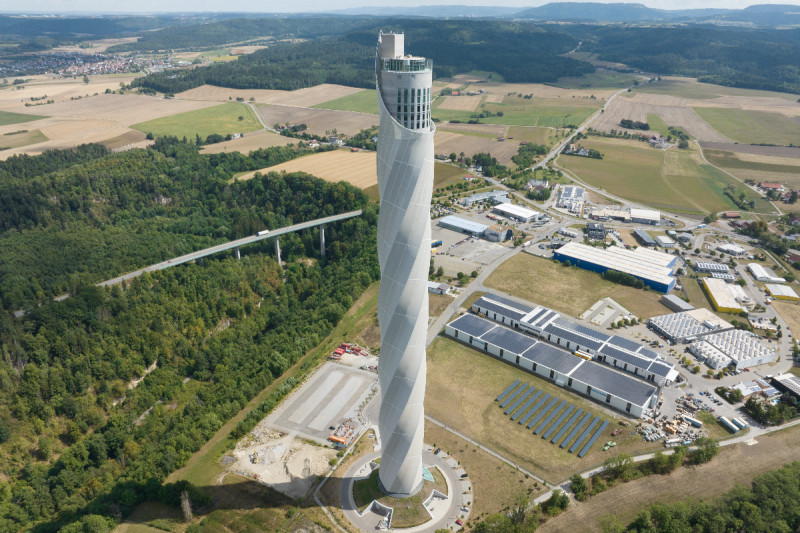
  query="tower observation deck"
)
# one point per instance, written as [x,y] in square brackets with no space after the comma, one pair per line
[405,183]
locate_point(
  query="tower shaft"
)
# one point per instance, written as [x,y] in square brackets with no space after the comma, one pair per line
[405,183]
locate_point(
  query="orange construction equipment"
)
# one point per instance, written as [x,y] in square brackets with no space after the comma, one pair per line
[340,440]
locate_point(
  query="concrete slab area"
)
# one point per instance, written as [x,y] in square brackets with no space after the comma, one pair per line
[331,396]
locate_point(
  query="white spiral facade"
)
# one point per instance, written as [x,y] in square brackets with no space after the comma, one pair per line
[405,182]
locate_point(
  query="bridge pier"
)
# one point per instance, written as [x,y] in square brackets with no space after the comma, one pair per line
[278,250]
[322,240]
[237,253]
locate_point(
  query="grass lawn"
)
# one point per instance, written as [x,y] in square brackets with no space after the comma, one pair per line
[751,127]
[571,290]
[7,117]
[658,124]
[735,465]
[462,385]
[408,512]
[364,102]
[599,79]
[674,180]
[689,88]
[221,119]
[444,174]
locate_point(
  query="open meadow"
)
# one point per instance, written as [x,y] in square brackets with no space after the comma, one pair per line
[249,142]
[356,168]
[692,89]
[462,385]
[570,290]
[40,88]
[221,119]
[319,121]
[699,483]
[363,101]
[752,127]
[757,167]
[447,142]
[519,111]
[673,180]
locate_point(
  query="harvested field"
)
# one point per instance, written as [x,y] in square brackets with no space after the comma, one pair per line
[249,142]
[675,114]
[774,104]
[691,88]
[461,103]
[446,142]
[65,133]
[790,312]
[767,151]
[124,109]
[318,120]
[492,130]
[58,89]
[570,290]
[539,90]
[125,140]
[535,135]
[757,167]
[599,79]
[356,168]
[699,483]
[462,385]
[302,97]
[96,47]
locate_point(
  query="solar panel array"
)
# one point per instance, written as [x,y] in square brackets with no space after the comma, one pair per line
[545,409]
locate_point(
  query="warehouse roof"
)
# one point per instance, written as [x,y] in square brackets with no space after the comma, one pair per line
[790,382]
[462,224]
[553,358]
[643,265]
[516,210]
[721,293]
[472,325]
[764,274]
[780,290]
[675,303]
[610,381]
[644,236]
[710,266]
[645,214]
[506,307]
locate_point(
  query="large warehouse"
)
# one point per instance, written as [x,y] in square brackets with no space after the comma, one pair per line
[645,216]
[781,292]
[462,225]
[585,377]
[726,298]
[548,325]
[516,212]
[764,274]
[736,348]
[652,267]
[688,326]
[493,197]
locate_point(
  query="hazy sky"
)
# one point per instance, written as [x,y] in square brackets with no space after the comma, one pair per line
[274,6]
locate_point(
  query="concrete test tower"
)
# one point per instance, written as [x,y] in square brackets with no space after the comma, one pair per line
[405,182]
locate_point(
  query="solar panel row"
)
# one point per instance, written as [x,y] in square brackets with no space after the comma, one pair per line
[514,395]
[567,426]
[535,408]
[557,423]
[547,420]
[584,435]
[541,414]
[505,392]
[518,401]
[527,404]
[597,433]
[572,433]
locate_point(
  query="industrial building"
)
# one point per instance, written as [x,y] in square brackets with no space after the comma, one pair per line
[731,249]
[493,197]
[462,225]
[724,297]
[788,383]
[652,267]
[726,277]
[596,230]
[610,213]
[548,325]
[665,242]
[435,287]
[516,212]
[643,237]
[736,348]
[764,274]
[604,385]
[568,232]
[645,216]
[710,266]
[675,303]
[688,326]
[498,233]
[571,198]
[781,292]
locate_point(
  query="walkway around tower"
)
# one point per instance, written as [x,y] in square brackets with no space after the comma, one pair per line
[235,245]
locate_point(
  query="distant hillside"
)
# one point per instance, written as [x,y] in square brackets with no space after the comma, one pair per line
[446,11]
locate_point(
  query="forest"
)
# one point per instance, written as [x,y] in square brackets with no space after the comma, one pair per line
[70,218]
[76,444]
[455,46]
[519,51]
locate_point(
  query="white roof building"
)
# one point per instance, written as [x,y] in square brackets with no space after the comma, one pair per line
[736,348]
[764,274]
[516,212]
[731,249]
[645,216]
[665,242]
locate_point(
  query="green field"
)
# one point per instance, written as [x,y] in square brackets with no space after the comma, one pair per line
[7,118]
[657,124]
[24,138]
[752,127]
[364,102]
[535,135]
[221,119]
[688,88]
[547,112]
[599,79]
[570,290]
[673,180]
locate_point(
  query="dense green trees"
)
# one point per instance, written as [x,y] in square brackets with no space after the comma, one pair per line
[231,326]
